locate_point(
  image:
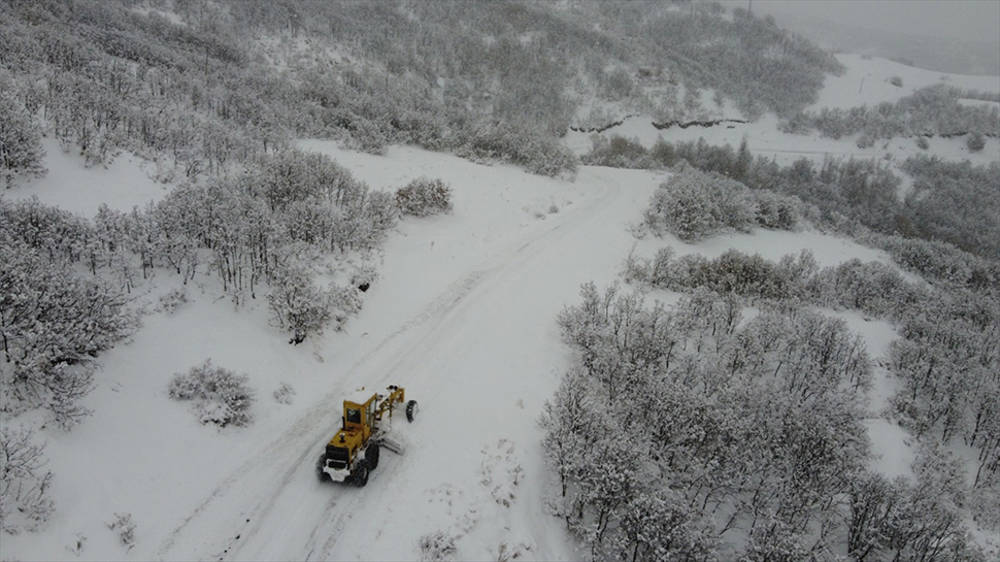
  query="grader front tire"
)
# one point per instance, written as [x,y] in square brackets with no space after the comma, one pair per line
[360,476]
[411,410]
[322,476]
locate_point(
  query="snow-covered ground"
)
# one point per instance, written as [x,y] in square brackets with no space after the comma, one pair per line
[867,81]
[462,315]
[68,184]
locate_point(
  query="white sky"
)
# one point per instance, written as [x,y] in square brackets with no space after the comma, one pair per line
[976,20]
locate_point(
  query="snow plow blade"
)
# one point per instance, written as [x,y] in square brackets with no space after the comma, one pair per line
[393,445]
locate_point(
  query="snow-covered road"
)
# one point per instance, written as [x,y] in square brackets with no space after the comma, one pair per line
[477,347]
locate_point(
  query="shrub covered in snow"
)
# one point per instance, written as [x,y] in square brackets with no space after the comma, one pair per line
[220,396]
[975,142]
[54,319]
[124,526]
[172,300]
[422,197]
[539,154]
[955,202]
[775,211]
[618,152]
[284,393]
[695,204]
[933,109]
[437,546]
[870,287]
[24,482]
[749,276]
[298,304]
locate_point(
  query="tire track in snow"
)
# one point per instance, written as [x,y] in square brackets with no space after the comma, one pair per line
[513,264]
[306,436]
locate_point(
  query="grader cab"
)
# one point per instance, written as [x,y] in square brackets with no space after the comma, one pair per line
[354,450]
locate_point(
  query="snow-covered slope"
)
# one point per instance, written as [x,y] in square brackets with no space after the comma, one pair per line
[867,81]
[462,315]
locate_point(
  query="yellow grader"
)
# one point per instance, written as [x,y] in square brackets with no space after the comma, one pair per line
[354,450]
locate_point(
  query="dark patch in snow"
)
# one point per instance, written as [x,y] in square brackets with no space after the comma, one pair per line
[686,124]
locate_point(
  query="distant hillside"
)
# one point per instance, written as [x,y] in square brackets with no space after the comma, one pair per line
[200,84]
[942,54]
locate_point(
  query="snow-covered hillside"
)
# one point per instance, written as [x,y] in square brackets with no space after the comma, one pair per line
[462,315]
[869,81]
[866,81]
[468,309]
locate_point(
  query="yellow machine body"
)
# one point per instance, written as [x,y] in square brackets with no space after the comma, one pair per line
[361,422]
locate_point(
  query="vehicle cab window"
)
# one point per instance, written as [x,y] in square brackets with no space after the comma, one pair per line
[353,415]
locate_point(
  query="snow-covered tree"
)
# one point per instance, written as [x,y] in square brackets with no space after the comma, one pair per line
[53,323]
[24,482]
[21,152]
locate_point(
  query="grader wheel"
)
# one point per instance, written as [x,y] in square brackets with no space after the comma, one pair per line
[411,410]
[323,477]
[360,475]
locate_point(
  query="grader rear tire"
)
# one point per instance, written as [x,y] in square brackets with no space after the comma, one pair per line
[411,410]
[371,457]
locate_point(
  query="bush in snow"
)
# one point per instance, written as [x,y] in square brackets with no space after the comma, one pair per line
[896,81]
[344,302]
[172,300]
[694,204]
[303,308]
[422,197]
[24,482]
[284,393]
[734,272]
[507,552]
[975,142]
[539,154]
[870,287]
[955,202]
[124,527]
[437,546]
[923,143]
[776,211]
[297,304]
[53,319]
[618,152]
[292,175]
[220,396]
